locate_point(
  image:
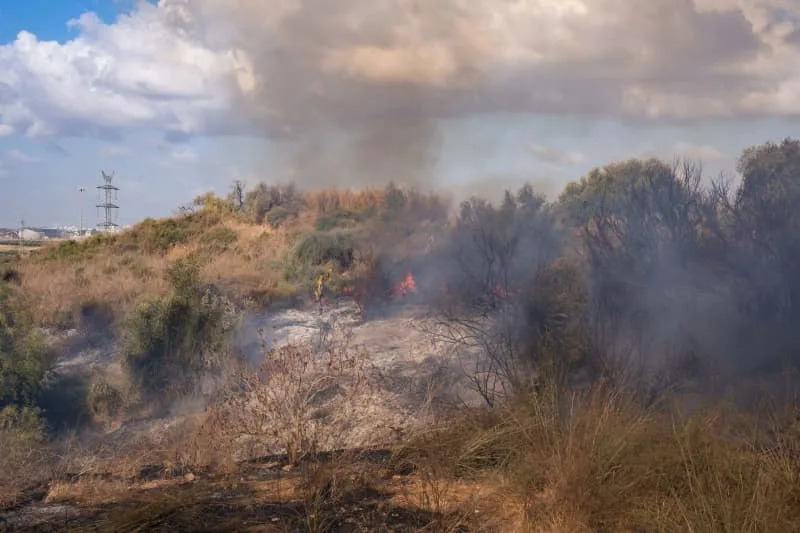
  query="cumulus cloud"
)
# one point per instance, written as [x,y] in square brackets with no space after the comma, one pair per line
[140,71]
[285,67]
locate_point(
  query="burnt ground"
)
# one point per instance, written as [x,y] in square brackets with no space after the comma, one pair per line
[366,493]
[413,372]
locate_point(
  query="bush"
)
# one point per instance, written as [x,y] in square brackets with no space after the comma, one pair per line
[277,216]
[320,248]
[159,235]
[169,342]
[218,239]
[294,398]
[184,277]
[103,399]
[23,357]
[24,421]
[265,198]
[339,218]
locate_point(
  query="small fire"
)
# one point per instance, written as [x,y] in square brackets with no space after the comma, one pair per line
[405,287]
[499,292]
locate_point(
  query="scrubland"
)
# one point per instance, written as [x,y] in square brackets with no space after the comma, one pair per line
[632,352]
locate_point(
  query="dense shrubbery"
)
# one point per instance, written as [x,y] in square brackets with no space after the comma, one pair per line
[278,216]
[320,248]
[338,218]
[159,235]
[263,199]
[681,280]
[169,342]
[219,239]
[23,357]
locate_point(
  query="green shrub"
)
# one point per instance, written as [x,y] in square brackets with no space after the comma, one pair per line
[218,239]
[159,235]
[320,248]
[68,250]
[26,421]
[169,342]
[338,218]
[23,355]
[184,276]
[264,198]
[277,216]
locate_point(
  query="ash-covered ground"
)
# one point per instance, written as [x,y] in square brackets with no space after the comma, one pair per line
[413,375]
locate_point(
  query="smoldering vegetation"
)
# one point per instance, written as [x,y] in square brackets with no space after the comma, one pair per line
[622,357]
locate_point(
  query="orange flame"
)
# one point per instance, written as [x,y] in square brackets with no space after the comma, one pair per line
[405,287]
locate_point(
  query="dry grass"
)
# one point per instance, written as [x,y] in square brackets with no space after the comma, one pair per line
[598,461]
[89,491]
[54,288]
[326,200]
[58,287]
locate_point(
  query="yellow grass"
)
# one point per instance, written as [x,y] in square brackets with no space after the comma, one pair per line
[115,280]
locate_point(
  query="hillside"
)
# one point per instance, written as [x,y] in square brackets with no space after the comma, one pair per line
[622,358]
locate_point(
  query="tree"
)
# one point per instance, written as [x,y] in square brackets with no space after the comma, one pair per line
[236,195]
[508,300]
[645,227]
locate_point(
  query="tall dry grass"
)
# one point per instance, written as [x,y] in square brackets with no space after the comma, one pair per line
[326,200]
[58,288]
[55,288]
[599,461]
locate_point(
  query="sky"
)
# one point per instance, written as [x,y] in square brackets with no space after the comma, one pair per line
[181,97]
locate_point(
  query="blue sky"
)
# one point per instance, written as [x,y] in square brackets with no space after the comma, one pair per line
[178,98]
[47,19]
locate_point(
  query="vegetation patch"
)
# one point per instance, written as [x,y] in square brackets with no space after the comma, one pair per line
[170,341]
[326,247]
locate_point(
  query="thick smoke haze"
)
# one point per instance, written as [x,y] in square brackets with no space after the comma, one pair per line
[383,74]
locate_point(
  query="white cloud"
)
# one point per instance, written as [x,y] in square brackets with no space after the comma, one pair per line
[21,156]
[285,66]
[556,157]
[140,71]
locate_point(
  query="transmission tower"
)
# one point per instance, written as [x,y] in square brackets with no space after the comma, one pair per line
[108,199]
